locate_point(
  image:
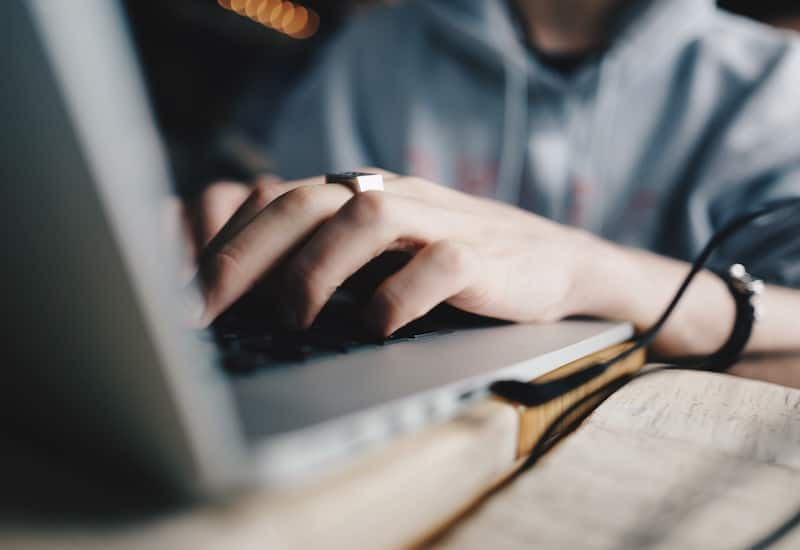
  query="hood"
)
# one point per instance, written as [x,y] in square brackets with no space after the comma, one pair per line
[487,30]
[482,29]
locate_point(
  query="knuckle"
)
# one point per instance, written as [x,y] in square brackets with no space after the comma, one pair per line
[307,283]
[264,192]
[220,190]
[226,265]
[368,208]
[220,186]
[451,257]
[209,196]
[296,200]
[411,186]
[416,181]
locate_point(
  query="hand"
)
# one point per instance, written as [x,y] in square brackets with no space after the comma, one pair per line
[207,213]
[476,254]
[196,221]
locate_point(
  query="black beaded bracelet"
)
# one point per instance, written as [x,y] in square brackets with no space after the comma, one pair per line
[746,291]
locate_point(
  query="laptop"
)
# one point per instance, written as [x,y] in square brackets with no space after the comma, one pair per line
[101,362]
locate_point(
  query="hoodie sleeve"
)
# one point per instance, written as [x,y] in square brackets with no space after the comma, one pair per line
[756,159]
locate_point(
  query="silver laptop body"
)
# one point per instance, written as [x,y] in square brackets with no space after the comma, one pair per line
[99,359]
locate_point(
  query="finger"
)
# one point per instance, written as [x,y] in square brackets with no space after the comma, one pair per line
[263,191]
[214,207]
[443,271]
[218,204]
[424,190]
[439,195]
[264,242]
[368,224]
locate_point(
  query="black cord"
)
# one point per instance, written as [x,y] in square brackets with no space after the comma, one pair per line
[535,394]
[787,527]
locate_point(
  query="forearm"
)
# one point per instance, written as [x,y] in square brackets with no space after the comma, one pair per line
[634,285]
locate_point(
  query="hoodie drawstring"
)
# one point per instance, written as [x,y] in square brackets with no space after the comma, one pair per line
[513,143]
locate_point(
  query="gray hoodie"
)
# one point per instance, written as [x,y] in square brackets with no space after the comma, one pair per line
[691,117]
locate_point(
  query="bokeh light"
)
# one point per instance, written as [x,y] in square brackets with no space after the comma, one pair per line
[289,18]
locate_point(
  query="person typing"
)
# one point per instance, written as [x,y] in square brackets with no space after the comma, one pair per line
[566,159]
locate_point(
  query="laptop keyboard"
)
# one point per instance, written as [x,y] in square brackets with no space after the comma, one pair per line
[249,339]
[250,343]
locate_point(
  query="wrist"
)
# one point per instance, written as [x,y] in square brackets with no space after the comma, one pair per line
[624,284]
[604,281]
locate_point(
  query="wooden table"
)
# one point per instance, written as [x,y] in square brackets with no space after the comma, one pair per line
[674,460]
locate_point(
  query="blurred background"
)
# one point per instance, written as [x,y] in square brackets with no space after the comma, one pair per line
[217,78]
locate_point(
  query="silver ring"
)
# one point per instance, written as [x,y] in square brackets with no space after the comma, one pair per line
[358,182]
